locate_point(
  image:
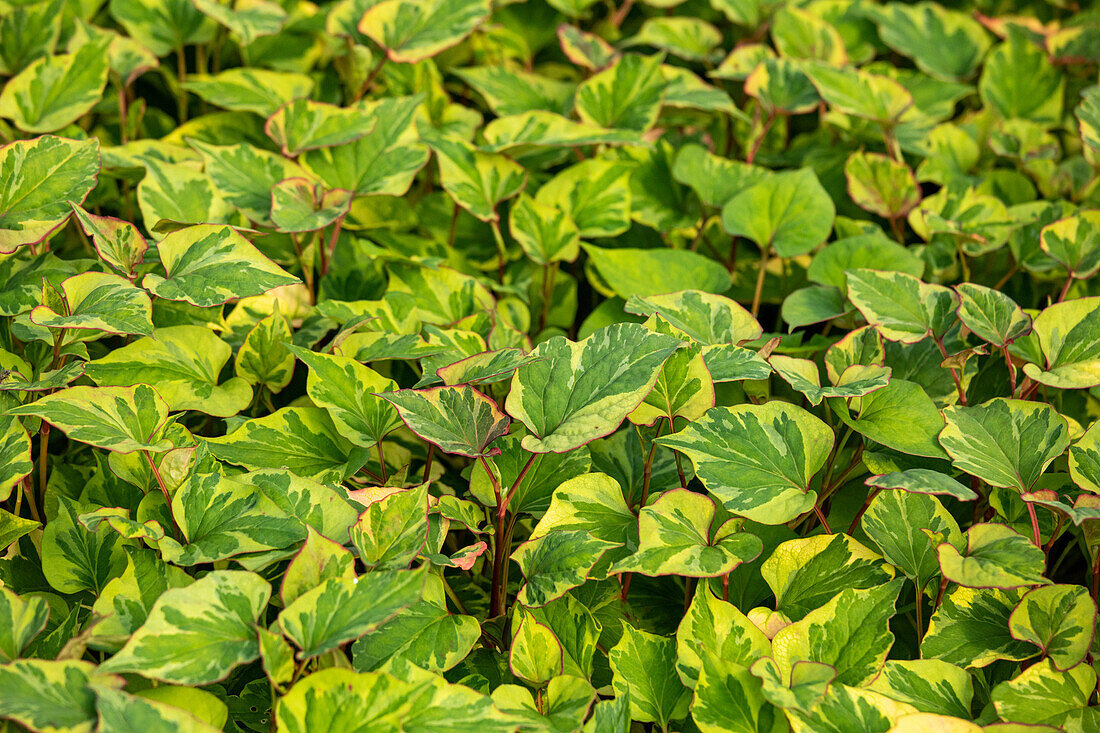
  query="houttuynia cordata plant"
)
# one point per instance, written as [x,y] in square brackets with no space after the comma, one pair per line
[485,366]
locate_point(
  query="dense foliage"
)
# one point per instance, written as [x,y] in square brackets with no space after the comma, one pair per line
[447,365]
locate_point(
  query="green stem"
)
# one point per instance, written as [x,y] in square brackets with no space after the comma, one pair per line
[502,253]
[181,77]
[758,293]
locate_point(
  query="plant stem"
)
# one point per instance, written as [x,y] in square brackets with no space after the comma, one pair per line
[863,510]
[1096,575]
[761,273]
[327,261]
[954,374]
[549,275]
[821,518]
[181,77]
[621,13]
[751,156]
[501,251]
[164,490]
[1065,289]
[428,463]
[939,596]
[371,77]
[43,460]
[1034,524]
[382,462]
[1011,371]
[919,610]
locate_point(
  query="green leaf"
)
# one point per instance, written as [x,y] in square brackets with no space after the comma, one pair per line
[264,359]
[788,212]
[1042,694]
[27,33]
[424,634]
[75,559]
[321,507]
[221,518]
[833,261]
[896,522]
[302,440]
[930,685]
[339,699]
[556,562]
[729,698]
[860,93]
[970,628]
[172,194]
[459,420]
[713,628]
[244,175]
[677,539]
[208,265]
[900,306]
[163,26]
[1066,333]
[184,362]
[627,95]
[1019,82]
[15,455]
[488,367]
[121,711]
[477,181]
[901,416]
[118,242]
[991,315]
[414,31]
[845,709]
[546,474]
[996,557]
[1075,243]
[303,124]
[945,43]
[684,388]
[805,573]
[1084,460]
[535,655]
[511,92]
[540,129]
[576,628]
[125,601]
[714,179]
[341,609]
[579,391]
[881,185]
[247,21]
[97,301]
[690,39]
[1059,619]
[707,318]
[56,90]
[594,193]
[299,205]
[41,176]
[392,531]
[543,231]
[757,459]
[643,666]
[20,621]
[1004,442]
[250,89]
[851,633]
[13,527]
[49,695]
[643,273]
[923,481]
[808,684]
[592,503]
[198,634]
[120,419]
[803,376]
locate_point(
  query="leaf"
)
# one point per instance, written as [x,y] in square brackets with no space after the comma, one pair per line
[15,456]
[341,609]
[299,205]
[163,27]
[684,388]
[424,634]
[851,633]
[627,95]
[996,557]
[729,698]
[120,419]
[788,212]
[459,420]
[970,628]
[349,392]
[533,489]
[757,459]
[510,92]
[544,232]
[184,362]
[594,193]
[177,193]
[707,318]
[643,666]
[117,242]
[901,416]
[101,302]
[41,176]
[541,129]
[244,175]
[49,695]
[55,90]
[923,481]
[556,562]
[488,367]
[592,503]
[264,358]
[896,521]
[677,539]
[413,31]
[1075,243]
[881,185]
[321,507]
[303,124]
[125,602]
[832,262]
[1004,442]
[860,93]
[535,655]
[75,559]
[644,273]
[1019,82]
[1059,619]
[222,518]
[1042,694]
[715,629]
[803,376]
[249,20]
[932,686]
[805,573]
[392,531]
[477,181]
[1065,332]
[900,306]
[943,42]
[845,708]
[302,440]
[20,621]
[198,634]
[991,315]
[579,391]
[208,265]
[250,89]
[27,33]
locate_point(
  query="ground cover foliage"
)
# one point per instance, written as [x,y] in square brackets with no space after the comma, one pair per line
[427,365]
